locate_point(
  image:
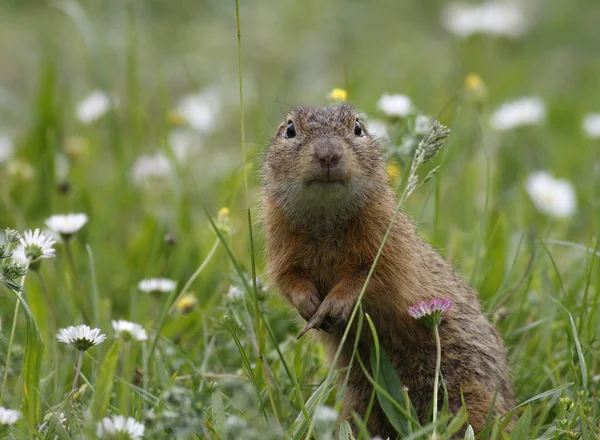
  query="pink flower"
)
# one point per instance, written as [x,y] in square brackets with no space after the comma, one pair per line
[430,314]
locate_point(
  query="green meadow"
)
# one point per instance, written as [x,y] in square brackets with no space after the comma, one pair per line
[151,118]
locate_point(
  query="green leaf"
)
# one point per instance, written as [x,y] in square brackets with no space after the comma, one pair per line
[218,412]
[346,431]
[389,380]
[34,350]
[300,425]
[469,433]
[247,365]
[376,369]
[457,421]
[519,432]
[105,381]
[582,364]
[490,416]
[544,394]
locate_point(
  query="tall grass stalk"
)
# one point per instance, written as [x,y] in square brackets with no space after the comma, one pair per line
[488,188]
[11,340]
[436,384]
[77,371]
[258,314]
[241,91]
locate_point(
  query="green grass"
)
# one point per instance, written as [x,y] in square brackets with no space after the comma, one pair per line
[231,367]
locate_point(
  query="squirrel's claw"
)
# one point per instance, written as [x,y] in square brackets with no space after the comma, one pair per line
[309,326]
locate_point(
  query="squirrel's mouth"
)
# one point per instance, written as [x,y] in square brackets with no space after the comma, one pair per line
[326,182]
[327,177]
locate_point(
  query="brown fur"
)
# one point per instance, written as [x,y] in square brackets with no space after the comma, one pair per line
[321,240]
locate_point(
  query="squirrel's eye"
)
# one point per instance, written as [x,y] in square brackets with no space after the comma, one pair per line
[290,131]
[357,129]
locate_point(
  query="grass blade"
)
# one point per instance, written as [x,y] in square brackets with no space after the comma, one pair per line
[247,365]
[34,351]
[299,427]
[105,381]
[218,412]
[519,432]
[389,381]
[345,431]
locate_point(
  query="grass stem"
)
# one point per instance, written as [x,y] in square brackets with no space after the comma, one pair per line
[9,350]
[77,371]
[438,363]
[241,84]
[10,342]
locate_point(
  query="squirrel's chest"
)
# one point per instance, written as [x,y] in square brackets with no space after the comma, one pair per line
[327,262]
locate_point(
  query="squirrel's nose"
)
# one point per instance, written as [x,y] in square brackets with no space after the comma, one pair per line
[327,155]
[329,160]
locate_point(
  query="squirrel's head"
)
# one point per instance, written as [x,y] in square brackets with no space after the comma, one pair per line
[322,165]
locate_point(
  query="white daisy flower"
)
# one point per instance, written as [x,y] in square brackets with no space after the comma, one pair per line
[9,416]
[325,419]
[160,285]
[66,225]
[529,110]
[81,336]
[6,148]
[235,293]
[553,197]
[35,245]
[119,427]
[150,167]
[398,106]
[129,330]
[377,129]
[183,144]
[234,425]
[493,18]
[201,110]
[93,107]
[591,126]
[18,256]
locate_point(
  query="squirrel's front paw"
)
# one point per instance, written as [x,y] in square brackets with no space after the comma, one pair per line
[333,309]
[307,304]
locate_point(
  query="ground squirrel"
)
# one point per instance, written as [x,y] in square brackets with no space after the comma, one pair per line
[327,206]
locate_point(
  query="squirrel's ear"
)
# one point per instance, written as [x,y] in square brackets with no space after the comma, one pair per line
[280,129]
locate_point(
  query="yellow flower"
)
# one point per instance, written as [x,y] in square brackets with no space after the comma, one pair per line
[187,303]
[338,95]
[223,222]
[20,170]
[175,118]
[475,85]
[76,147]
[393,171]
